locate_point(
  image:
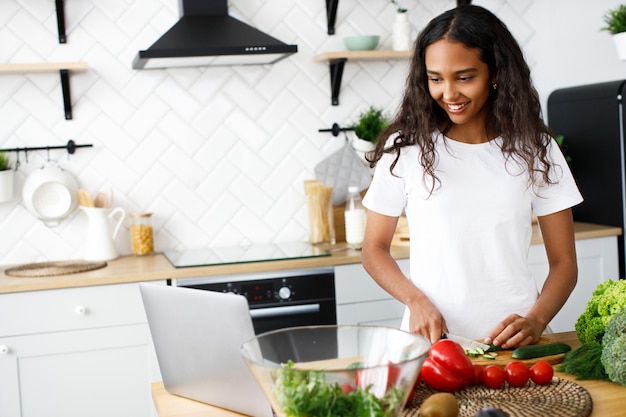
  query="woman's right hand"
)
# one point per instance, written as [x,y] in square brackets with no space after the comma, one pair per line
[426,320]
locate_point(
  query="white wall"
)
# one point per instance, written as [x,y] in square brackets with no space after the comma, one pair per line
[220,154]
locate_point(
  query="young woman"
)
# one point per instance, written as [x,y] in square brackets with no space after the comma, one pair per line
[468,158]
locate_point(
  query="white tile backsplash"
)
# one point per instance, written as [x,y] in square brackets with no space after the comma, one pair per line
[219,155]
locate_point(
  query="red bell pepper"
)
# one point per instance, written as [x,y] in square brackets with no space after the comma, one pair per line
[447,367]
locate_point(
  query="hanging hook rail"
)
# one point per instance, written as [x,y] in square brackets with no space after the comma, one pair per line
[71,147]
[336,129]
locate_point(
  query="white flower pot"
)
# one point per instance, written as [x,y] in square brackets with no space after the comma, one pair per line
[6,185]
[362,147]
[619,40]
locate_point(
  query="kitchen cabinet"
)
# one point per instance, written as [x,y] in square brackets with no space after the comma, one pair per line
[360,300]
[597,262]
[76,352]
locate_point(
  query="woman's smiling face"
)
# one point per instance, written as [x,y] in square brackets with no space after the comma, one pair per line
[460,83]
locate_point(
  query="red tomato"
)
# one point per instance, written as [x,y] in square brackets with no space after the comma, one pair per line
[347,388]
[393,375]
[477,379]
[516,373]
[493,376]
[541,373]
[365,377]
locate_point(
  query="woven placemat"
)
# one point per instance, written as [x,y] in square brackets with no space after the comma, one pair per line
[50,269]
[561,398]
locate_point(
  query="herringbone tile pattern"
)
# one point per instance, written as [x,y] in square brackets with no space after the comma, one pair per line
[219,155]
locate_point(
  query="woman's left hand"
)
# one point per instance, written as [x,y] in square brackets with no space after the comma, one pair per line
[515,331]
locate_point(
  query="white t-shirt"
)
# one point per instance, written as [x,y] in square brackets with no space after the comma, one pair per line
[469,240]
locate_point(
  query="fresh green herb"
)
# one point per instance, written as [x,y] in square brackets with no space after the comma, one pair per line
[400,9]
[303,393]
[584,362]
[615,20]
[5,162]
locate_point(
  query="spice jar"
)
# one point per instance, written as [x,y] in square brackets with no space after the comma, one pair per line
[141,233]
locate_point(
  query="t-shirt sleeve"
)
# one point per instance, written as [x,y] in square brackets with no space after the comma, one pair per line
[386,194]
[563,193]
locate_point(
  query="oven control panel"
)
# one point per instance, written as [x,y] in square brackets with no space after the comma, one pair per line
[317,286]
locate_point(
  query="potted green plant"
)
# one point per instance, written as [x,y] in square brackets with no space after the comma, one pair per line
[371,122]
[615,20]
[6,178]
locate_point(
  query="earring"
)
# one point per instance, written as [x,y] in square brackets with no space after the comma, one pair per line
[494,86]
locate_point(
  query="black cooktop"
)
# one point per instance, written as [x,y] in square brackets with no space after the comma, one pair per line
[243,254]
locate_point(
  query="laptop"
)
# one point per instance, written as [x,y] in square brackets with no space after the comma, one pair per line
[197,335]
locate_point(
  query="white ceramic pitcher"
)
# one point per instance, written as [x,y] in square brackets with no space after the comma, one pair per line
[100,241]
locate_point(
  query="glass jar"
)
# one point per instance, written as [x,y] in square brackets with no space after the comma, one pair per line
[141,233]
[319,199]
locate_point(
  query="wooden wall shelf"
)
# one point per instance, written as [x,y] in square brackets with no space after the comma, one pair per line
[337,60]
[375,55]
[64,69]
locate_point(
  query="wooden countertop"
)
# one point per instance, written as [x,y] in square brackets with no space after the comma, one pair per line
[129,269]
[607,397]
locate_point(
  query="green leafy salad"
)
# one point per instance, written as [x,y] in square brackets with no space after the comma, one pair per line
[307,394]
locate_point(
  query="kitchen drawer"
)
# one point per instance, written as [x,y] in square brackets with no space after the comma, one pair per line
[379,313]
[353,284]
[70,309]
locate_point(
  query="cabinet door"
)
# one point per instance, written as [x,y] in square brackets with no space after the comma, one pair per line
[94,372]
[360,300]
[597,262]
[379,313]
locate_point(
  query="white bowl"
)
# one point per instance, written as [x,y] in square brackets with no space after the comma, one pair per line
[50,193]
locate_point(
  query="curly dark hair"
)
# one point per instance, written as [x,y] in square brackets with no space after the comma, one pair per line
[515,110]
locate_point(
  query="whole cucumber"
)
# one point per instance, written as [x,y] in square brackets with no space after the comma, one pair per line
[537,351]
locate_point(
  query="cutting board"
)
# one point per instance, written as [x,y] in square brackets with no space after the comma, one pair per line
[504,356]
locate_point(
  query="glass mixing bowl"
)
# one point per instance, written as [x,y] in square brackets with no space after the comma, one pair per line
[340,370]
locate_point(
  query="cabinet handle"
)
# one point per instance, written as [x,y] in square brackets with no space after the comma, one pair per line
[80,310]
[4,349]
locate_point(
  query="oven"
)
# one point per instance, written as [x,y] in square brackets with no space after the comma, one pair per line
[278,299]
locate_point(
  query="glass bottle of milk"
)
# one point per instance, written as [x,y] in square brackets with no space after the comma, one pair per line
[355,218]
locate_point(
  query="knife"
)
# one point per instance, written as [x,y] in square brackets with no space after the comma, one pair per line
[466,344]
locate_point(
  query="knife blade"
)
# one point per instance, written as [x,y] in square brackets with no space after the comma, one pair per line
[467,344]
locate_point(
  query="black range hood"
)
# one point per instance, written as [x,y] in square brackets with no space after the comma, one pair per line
[206,35]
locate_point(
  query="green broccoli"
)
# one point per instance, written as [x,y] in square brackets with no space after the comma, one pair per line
[607,299]
[614,347]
